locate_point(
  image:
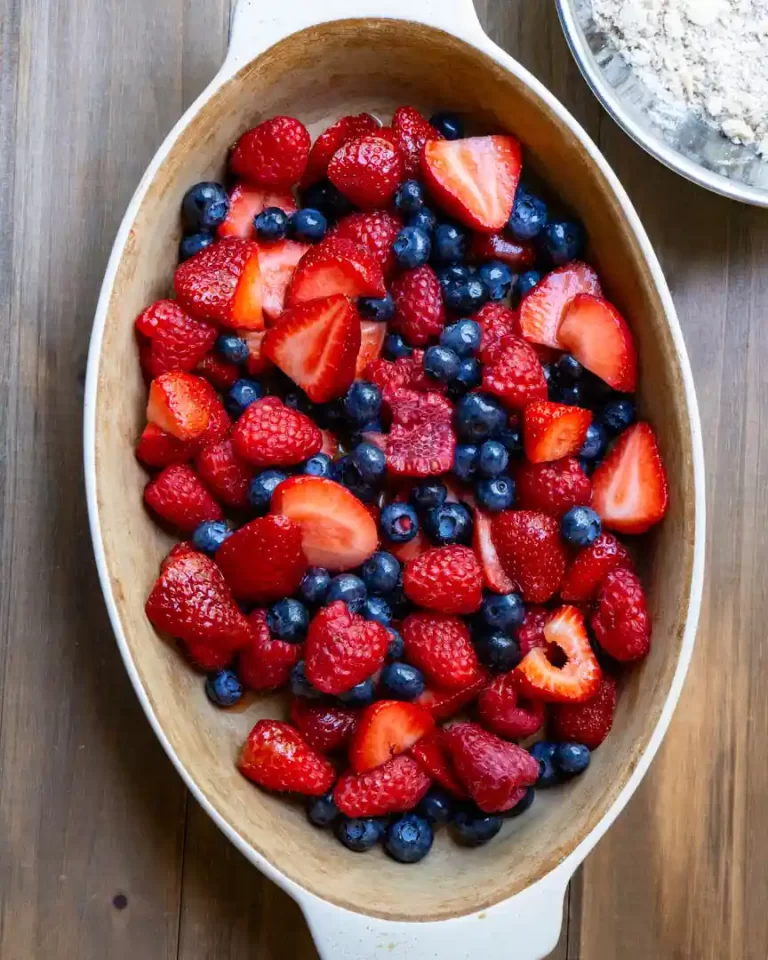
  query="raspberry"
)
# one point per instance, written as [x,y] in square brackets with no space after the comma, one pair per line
[553,487]
[270,434]
[588,723]
[265,662]
[274,154]
[421,441]
[515,374]
[591,566]
[622,623]
[419,310]
[446,579]
[343,649]
[439,645]
[178,496]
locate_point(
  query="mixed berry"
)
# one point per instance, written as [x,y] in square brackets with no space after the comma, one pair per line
[392,413]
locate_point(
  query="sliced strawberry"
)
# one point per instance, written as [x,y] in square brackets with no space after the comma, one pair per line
[326,727]
[372,337]
[410,550]
[493,572]
[330,445]
[475,179]
[542,309]
[343,649]
[375,231]
[316,344]
[181,404]
[337,531]
[502,710]
[515,374]
[248,301]
[367,171]
[246,203]
[271,434]
[629,488]
[531,552]
[444,704]
[387,728]
[552,487]
[495,246]
[411,132]
[531,634]
[431,753]
[265,662]
[208,284]
[274,154]
[336,266]
[599,337]
[440,646]
[343,131]
[156,448]
[178,496]
[277,262]
[224,473]
[552,431]
[276,757]
[591,566]
[263,560]
[590,722]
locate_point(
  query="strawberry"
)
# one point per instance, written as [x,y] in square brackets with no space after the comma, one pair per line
[316,344]
[257,363]
[386,729]
[493,573]
[394,787]
[275,757]
[515,374]
[446,579]
[263,560]
[492,770]
[270,434]
[474,179]
[591,566]
[443,704]
[440,647]
[495,246]
[599,337]
[343,649]
[531,552]
[148,320]
[372,336]
[336,266]
[274,154]
[575,682]
[374,231]
[405,552]
[218,372]
[181,404]
[531,633]
[183,549]
[419,310]
[432,756]
[191,601]
[367,171]
[552,487]
[621,622]
[411,132]
[496,322]
[178,341]
[330,445]
[502,710]
[278,262]
[421,441]
[177,495]
[554,430]
[331,140]
[590,722]
[156,448]
[629,488]
[337,531]
[224,473]
[246,203]
[222,283]
[265,662]
[325,727]
[219,424]
[542,309]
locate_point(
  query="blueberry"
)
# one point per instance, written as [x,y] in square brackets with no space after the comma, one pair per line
[437,805]
[409,197]
[428,494]
[350,589]
[308,225]
[571,394]
[399,522]
[563,241]
[328,199]
[498,279]
[314,585]
[451,523]
[242,394]
[466,298]
[298,400]
[288,619]
[362,402]
[381,309]
[395,346]
[479,416]
[210,535]
[580,526]
[300,686]
[424,219]
[571,758]
[370,461]
[231,348]
[401,681]
[441,363]
[544,752]
[360,695]
[527,281]
[192,243]
[271,224]
[347,473]
[409,839]
[449,124]
[399,604]
[322,811]
[261,488]
[396,646]
[204,207]
[472,828]
[495,494]
[359,834]
[377,608]
[223,688]
[594,443]
[380,573]
[498,651]
[452,275]
[568,369]
[502,611]
[522,805]
[470,375]
[463,337]
[617,415]
[512,438]
[320,465]
[412,248]
[529,215]
[359,435]
[465,460]
[492,459]
[449,245]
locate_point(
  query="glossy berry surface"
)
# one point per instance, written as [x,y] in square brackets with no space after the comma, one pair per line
[210,535]
[362,402]
[467,297]
[412,248]
[571,758]
[359,835]
[527,281]
[580,526]
[223,688]
[262,487]
[395,346]
[428,494]
[544,753]
[462,337]
[498,279]
[370,461]
[502,611]
[380,309]
[469,376]
[396,646]
[271,224]
[409,197]
[472,828]
[441,363]
[424,219]
[448,524]
[449,244]
[617,415]
[288,620]
[192,243]
[563,241]
[595,442]
[300,685]
[241,395]
[360,695]
[465,461]
[322,811]
[479,416]
[350,589]
[377,608]
[492,459]
[308,225]
[231,348]
[495,494]
[409,839]
[399,522]
[498,651]
[314,586]
[204,207]
[529,215]
[450,125]
[438,806]
[320,465]
[380,573]
[401,681]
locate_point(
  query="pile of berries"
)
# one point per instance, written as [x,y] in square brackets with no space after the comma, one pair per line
[393,414]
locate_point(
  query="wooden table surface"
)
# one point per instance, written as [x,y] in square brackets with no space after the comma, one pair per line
[102,852]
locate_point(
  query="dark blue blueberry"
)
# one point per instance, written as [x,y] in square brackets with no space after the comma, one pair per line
[529,215]
[360,695]
[358,834]
[300,686]
[479,417]
[498,651]
[495,493]
[320,465]
[563,241]
[395,346]
[380,573]
[396,647]
[223,688]
[571,393]
[288,619]
[441,363]
[587,466]
[463,337]
[424,219]
[210,535]
[512,438]
[261,488]
[381,309]
[498,279]
[322,811]
[399,604]
[437,805]
[204,207]
[326,198]
[308,225]
[595,442]
[453,275]
[347,473]
[428,494]
[470,375]
[350,589]
[617,415]
[451,523]
[568,369]
[242,394]
[409,839]
[192,243]
[449,244]
[313,588]
[472,828]
[298,400]
[465,460]
[571,758]
[449,124]
[399,522]
[370,461]
[466,298]
[544,752]
[502,611]
[271,224]
[527,281]
[377,608]
[580,526]
[231,348]
[401,681]
[409,197]
[522,805]
[493,458]
[359,435]
[362,402]
[412,248]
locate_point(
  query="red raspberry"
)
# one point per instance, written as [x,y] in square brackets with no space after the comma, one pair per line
[270,434]
[515,374]
[376,231]
[367,171]
[421,442]
[394,787]
[325,726]
[330,140]
[275,757]
[265,662]
[419,309]
[405,372]
[591,566]
[224,474]
[531,552]
[502,710]
[588,723]
[343,649]
[177,495]
[446,579]
[622,623]
[411,131]
[496,321]
[439,645]
[531,634]
[274,154]
[263,560]
[553,487]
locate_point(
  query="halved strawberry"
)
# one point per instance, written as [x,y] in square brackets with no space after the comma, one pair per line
[277,262]
[218,372]
[409,550]
[542,309]
[181,404]
[475,179]
[629,488]
[245,203]
[411,132]
[330,140]
[385,729]
[495,246]
[336,266]
[493,572]
[316,344]
[443,704]
[330,443]
[599,337]
[263,560]
[248,301]
[222,283]
[552,431]
[578,680]
[337,531]
[265,662]
[372,337]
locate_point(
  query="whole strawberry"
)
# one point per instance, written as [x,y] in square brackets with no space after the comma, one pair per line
[326,727]
[178,496]
[446,579]
[263,560]
[440,646]
[515,374]
[419,309]
[367,171]
[224,473]
[591,566]
[330,140]
[394,787]
[375,231]
[502,710]
[275,757]
[343,649]
[552,487]
[265,662]
[588,723]
[421,441]
[621,622]
[274,154]
[411,131]
[531,552]
[270,434]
